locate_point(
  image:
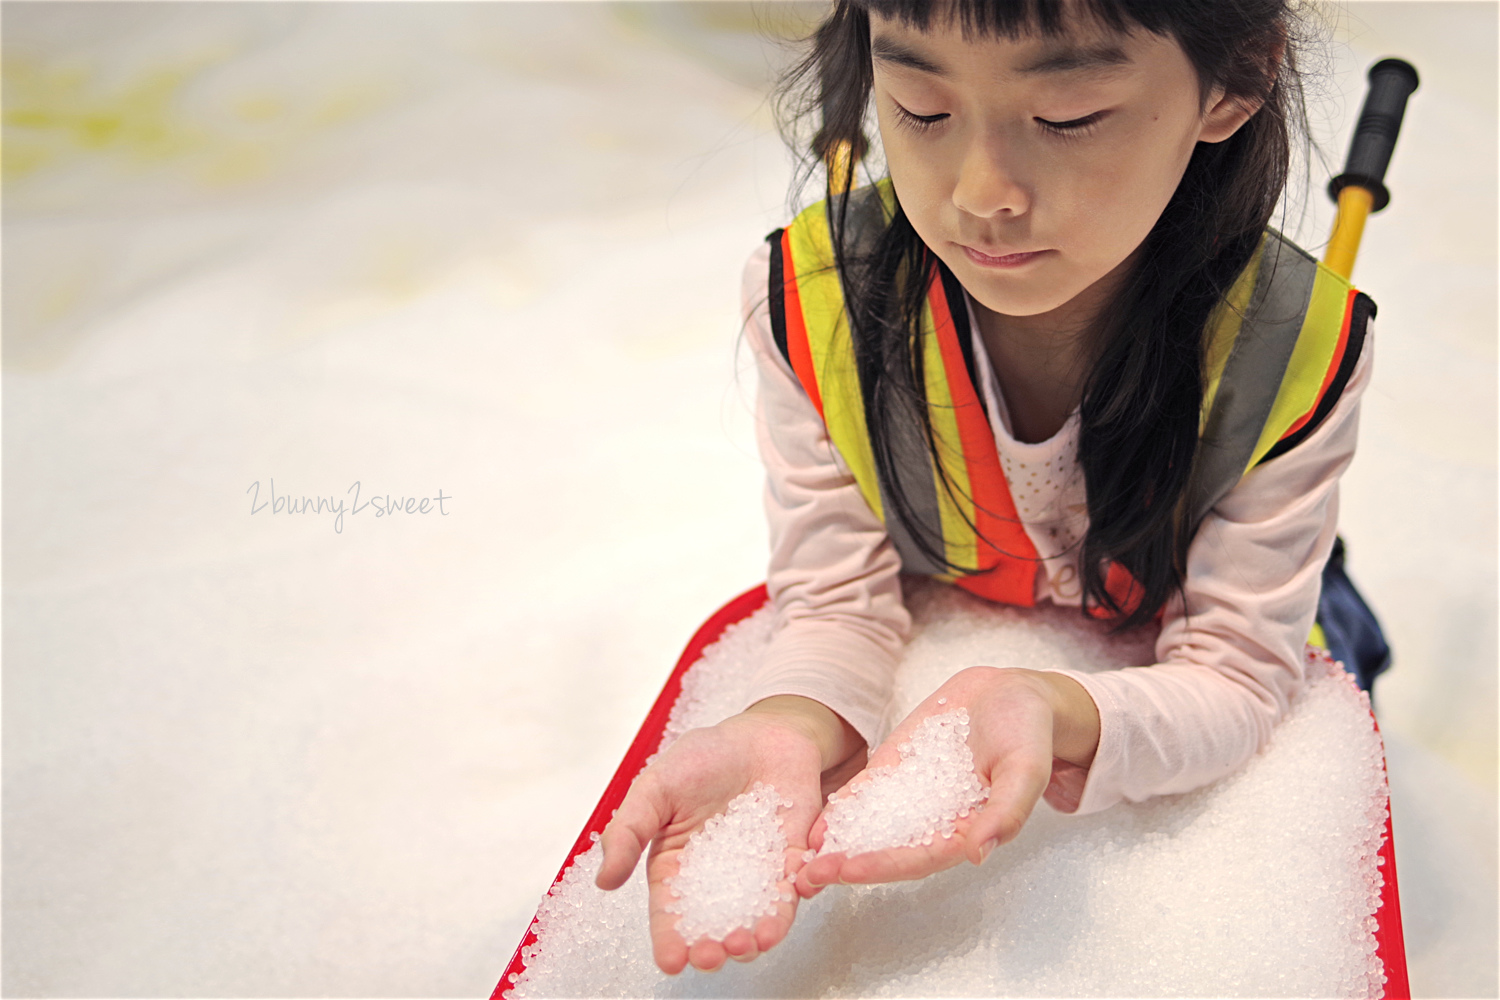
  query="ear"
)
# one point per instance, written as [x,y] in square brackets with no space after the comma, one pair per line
[1225,114]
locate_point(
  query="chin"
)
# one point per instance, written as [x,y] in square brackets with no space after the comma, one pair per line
[1015,305]
[1016,295]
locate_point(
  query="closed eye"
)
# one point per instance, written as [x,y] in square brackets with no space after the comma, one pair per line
[913,121]
[1073,126]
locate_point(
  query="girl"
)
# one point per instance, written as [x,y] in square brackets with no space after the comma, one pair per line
[1055,356]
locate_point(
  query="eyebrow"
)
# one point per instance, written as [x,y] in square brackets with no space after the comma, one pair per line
[1065,59]
[1071,59]
[891,51]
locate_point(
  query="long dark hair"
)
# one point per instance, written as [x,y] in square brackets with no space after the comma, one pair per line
[1139,413]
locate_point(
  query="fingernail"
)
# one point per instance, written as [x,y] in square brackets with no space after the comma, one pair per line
[986,848]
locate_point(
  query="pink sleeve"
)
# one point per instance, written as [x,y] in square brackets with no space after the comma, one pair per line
[833,577]
[1230,656]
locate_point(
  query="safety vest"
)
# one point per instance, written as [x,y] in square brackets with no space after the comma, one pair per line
[1281,347]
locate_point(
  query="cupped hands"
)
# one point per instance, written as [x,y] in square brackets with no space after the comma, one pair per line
[1032,734]
[797,746]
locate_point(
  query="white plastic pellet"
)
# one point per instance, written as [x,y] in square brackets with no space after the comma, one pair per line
[729,871]
[915,801]
[1261,884]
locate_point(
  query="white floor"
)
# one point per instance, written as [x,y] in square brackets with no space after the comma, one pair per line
[493,251]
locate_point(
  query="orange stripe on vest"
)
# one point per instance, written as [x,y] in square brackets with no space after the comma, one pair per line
[798,351]
[1333,367]
[1007,558]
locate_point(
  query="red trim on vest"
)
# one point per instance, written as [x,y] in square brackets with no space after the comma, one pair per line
[1333,366]
[1005,551]
[1390,948]
[797,348]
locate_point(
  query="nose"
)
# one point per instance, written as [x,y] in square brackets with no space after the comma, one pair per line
[989,181]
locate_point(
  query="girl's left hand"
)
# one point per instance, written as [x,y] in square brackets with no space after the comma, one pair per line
[1032,733]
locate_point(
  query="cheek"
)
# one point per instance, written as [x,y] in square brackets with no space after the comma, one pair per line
[1126,192]
[917,175]
[923,170]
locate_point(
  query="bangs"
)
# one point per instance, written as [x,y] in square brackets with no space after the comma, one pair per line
[1012,19]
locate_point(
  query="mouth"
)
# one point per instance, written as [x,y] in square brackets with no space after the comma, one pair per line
[1013,259]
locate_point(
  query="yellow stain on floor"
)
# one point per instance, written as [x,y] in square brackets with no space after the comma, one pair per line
[58,114]
[52,113]
[351,101]
[158,123]
[277,129]
[604,141]
[399,267]
[242,161]
[58,297]
[43,319]
[395,271]
[259,108]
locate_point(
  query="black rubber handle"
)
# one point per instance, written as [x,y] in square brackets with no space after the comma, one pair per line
[1391,83]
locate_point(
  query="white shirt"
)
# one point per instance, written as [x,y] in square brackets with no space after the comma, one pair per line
[1229,655]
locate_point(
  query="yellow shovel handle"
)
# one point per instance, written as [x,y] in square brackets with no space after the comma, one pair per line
[1354,207]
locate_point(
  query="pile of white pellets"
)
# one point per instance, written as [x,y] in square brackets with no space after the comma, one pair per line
[914,801]
[730,873]
[1262,884]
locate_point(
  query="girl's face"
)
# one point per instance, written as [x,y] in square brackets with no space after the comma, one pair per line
[1034,167]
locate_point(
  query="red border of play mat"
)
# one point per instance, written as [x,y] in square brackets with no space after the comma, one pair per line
[1390,945]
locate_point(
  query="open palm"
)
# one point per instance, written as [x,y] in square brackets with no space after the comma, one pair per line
[1011,724]
[692,781]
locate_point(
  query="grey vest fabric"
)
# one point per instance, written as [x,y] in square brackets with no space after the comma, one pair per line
[1252,375]
[1247,390]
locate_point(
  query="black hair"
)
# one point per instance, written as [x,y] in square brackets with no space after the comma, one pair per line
[1140,406]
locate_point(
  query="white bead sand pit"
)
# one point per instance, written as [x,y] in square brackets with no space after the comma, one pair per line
[913,802]
[1262,884]
[730,871]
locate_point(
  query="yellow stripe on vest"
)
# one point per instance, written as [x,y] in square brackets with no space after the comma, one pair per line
[833,352]
[1322,329]
[969,493]
[1317,637]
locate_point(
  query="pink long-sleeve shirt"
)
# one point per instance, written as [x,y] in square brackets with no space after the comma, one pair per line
[1230,652]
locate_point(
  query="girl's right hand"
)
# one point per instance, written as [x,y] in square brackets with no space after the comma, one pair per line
[785,742]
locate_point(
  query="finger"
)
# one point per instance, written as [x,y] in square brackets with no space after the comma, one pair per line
[672,953]
[820,871]
[638,820]
[888,754]
[740,945]
[798,864]
[1014,791]
[806,889]
[818,832]
[706,955]
[769,931]
[667,946]
[1065,789]
[902,864]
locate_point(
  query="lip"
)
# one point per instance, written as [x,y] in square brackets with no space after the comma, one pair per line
[1004,260]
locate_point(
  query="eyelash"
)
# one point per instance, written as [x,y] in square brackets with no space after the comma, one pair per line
[1072,128]
[917,123]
